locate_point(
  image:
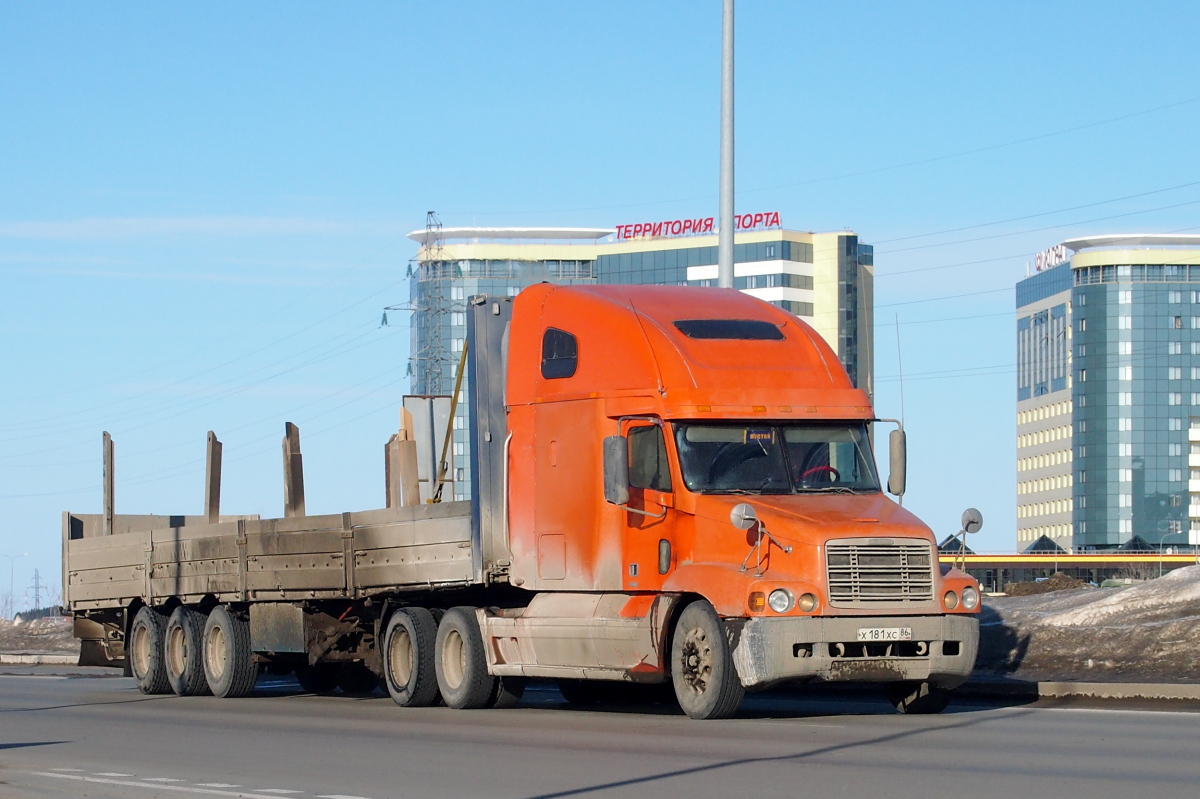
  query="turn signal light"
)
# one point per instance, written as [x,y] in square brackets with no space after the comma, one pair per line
[758,601]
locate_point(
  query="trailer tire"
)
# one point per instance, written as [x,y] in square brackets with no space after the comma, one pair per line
[229,665]
[184,652]
[702,671]
[318,678]
[462,673]
[409,670]
[918,699]
[145,653]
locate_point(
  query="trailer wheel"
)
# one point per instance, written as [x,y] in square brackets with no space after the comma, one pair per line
[229,663]
[462,673]
[320,678]
[145,652]
[408,660]
[702,671]
[184,652]
[918,698]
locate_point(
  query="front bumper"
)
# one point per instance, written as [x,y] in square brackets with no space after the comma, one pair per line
[770,651]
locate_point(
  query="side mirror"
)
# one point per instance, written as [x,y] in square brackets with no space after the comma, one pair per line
[743,516]
[616,470]
[898,446]
[972,520]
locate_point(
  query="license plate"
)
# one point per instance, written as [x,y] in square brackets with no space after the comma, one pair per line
[885,634]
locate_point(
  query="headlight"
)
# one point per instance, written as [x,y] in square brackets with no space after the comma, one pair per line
[780,600]
[970,598]
[807,603]
[951,600]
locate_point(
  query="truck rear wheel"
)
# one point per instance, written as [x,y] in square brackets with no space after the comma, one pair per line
[409,668]
[918,698]
[145,652]
[702,671]
[184,652]
[229,665]
[462,673]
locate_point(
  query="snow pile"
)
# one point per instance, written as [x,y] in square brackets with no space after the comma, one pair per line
[1151,601]
[1145,632]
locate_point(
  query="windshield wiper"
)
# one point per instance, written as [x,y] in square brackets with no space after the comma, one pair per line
[829,490]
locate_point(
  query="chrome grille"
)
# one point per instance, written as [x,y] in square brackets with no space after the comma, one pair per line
[868,572]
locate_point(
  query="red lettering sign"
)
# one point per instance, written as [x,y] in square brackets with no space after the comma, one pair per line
[691,227]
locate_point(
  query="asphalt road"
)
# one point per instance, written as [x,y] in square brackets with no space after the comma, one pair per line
[93,736]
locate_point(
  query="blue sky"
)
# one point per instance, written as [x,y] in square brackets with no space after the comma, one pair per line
[202,208]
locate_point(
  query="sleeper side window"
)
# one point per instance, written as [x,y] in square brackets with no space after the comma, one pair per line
[560,354]
[648,466]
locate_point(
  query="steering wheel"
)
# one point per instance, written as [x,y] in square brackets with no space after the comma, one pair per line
[835,476]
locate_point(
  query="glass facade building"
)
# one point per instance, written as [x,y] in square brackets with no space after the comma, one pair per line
[1108,396]
[827,279]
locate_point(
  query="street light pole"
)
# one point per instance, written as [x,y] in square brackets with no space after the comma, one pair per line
[725,235]
[1162,538]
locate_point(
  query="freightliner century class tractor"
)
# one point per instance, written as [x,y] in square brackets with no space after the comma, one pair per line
[670,487]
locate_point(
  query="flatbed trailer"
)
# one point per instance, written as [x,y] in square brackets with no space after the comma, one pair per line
[620,531]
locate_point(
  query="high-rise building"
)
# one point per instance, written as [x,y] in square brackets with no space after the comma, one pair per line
[827,279]
[1108,394]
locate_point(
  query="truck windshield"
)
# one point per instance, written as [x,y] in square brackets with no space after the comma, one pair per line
[776,459]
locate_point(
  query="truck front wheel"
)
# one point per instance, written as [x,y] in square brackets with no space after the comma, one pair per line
[462,673]
[145,652]
[408,660]
[229,663]
[702,671]
[918,698]
[184,652]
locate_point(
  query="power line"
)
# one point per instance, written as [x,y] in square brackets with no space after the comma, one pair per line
[861,173]
[1039,214]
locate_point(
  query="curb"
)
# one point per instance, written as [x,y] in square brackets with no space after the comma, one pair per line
[38,660]
[1174,692]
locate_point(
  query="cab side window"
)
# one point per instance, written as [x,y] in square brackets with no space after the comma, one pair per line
[560,353]
[648,467]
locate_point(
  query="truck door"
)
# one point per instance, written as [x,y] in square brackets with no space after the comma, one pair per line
[649,536]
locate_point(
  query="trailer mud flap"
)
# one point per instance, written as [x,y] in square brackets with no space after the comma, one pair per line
[277,627]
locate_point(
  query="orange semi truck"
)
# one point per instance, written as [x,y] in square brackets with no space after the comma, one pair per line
[670,486]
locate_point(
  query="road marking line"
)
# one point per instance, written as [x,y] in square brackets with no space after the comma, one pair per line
[276,790]
[338,796]
[66,769]
[157,785]
[218,785]
[111,774]
[154,779]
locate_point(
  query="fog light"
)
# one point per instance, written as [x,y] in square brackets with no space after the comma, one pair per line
[758,601]
[780,600]
[970,598]
[951,600]
[807,603]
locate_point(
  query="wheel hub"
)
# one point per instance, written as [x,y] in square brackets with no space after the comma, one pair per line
[696,657]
